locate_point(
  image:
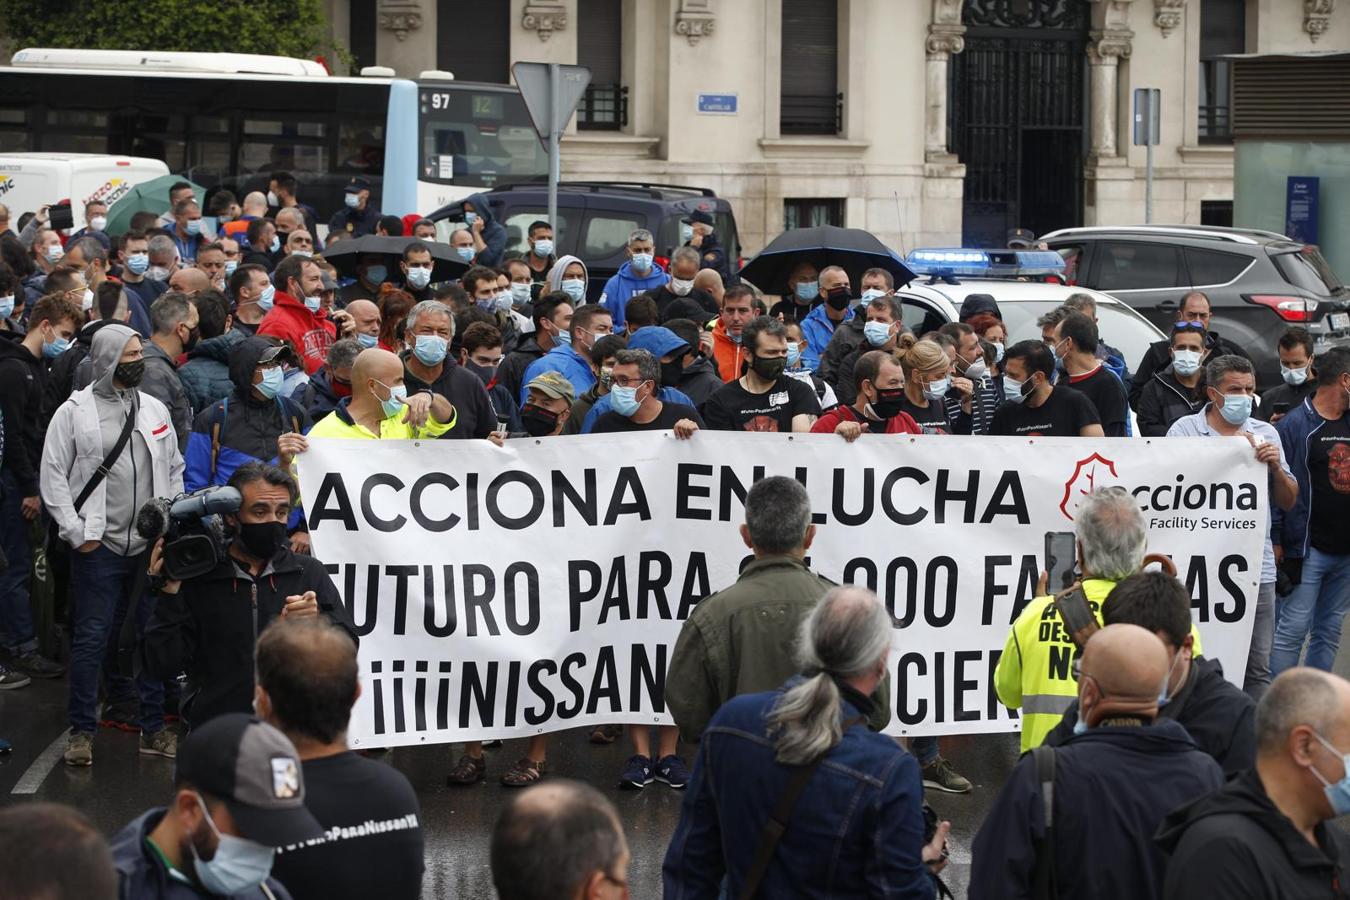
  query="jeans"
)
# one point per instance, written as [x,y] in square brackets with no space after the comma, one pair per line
[1318,605]
[98,581]
[925,749]
[1257,678]
[16,612]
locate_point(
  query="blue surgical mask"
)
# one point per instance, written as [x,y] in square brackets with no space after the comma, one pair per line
[352,200]
[794,355]
[871,294]
[1338,793]
[267,298]
[1163,698]
[137,263]
[465,253]
[397,395]
[430,349]
[504,301]
[275,245]
[877,333]
[998,353]
[238,867]
[272,380]
[53,349]
[418,277]
[305,253]
[564,338]
[54,253]
[230,266]
[575,289]
[1294,377]
[624,400]
[6,306]
[543,248]
[193,226]
[936,390]
[1186,362]
[367,340]
[520,294]
[735,338]
[1236,408]
[470,217]
[376,274]
[313,303]
[1081,726]
[807,291]
[1012,389]
[686,233]
[642,262]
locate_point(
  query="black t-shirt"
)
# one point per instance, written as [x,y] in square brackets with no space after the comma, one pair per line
[665,420]
[932,417]
[1329,471]
[789,310]
[1063,414]
[1107,394]
[733,408]
[372,845]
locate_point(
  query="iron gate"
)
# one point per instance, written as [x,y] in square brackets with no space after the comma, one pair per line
[1018,116]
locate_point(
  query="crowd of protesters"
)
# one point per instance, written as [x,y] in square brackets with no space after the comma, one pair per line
[166,359]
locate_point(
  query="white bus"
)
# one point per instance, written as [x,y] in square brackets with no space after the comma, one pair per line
[230,120]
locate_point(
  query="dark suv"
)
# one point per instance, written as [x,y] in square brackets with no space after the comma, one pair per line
[595,219]
[1258,282]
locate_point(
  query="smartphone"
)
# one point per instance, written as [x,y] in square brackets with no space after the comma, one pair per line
[61,217]
[1061,555]
[1280,409]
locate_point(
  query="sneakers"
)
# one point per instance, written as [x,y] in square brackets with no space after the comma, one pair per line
[37,665]
[11,680]
[162,743]
[469,770]
[940,776]
[80,749]
[672,771]
[637,773]
[124,716]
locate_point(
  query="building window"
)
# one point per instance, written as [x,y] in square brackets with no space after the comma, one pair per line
[1223,30]
[361,34]
[812,211]
[604,106]
[1216,212]
[810,101]
[473,40]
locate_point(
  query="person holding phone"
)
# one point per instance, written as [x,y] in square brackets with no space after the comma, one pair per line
[1295,347]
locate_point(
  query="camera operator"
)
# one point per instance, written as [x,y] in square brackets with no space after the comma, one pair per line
[207,626]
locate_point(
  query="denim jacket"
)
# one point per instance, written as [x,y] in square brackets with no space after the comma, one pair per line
[857,830]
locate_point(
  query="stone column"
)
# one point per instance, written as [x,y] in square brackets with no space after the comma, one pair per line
[1105,50]
[943,41]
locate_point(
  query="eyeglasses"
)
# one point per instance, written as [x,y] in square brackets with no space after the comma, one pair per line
[624,381]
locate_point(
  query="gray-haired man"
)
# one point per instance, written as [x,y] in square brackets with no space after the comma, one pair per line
[637,276]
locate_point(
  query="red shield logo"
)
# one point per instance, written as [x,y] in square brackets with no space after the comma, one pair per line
[1088,475]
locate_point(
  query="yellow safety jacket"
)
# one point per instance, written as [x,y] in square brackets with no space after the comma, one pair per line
[1034,673]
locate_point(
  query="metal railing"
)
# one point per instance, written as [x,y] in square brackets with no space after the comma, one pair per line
[604,107]
[811,114]
[1216,125]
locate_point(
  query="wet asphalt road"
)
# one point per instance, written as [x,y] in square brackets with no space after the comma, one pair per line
[457,821]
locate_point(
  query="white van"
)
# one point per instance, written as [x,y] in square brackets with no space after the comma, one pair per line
[30,181]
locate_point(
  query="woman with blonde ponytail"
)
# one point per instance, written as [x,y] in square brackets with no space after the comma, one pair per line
[927,384]
[793,796]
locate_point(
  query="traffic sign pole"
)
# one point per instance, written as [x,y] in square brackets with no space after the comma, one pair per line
[551,92]
[554,147]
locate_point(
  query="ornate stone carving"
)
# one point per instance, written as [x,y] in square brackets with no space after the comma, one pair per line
[694,20]
[544,19]
[1111,15]
[401,16]
[947,12]
[1109,47]
[1167,14]
[945,40]
[1316,17]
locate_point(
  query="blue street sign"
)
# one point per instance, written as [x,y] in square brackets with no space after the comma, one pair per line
[717,104]
[1300,208]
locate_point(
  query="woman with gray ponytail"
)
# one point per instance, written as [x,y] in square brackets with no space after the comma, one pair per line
[792,795]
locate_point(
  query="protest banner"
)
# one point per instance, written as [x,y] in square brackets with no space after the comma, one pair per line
[503,592]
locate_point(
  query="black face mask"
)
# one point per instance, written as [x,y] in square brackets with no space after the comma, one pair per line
[838,298]
[671,371]
[262,540]
[538,422]
[191,341]
[129,374]
[769,368]
[484,373]
[888,402]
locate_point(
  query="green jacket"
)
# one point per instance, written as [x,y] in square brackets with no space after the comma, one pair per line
[742,641]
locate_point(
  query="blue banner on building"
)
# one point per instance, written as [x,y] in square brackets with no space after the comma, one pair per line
[1300,208]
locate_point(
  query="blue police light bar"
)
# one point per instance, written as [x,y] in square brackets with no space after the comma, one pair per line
[985,263]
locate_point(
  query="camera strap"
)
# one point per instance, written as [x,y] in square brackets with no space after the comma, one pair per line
[108,461]
[778,819]
[1043,883]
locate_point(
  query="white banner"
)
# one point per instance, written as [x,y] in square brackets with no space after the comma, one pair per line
[504,592]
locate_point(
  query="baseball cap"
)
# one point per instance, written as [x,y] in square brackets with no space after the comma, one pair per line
[699,217]
[357,183]
[255,770]
[553,385]
[329,282]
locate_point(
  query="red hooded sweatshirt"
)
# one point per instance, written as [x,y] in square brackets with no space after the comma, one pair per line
[310,334]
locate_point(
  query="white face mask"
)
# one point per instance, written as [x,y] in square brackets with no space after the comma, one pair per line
[98,223]
[680,287]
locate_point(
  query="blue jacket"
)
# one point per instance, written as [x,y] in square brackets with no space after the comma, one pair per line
[1113,788]
[605,404]
[1290,529]
[818,329]
[857,830]
[657,340]
[626,284]
[142,875]
[206,374]
[494,234]
[565,361]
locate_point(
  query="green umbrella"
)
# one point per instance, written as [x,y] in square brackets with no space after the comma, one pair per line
[148,196]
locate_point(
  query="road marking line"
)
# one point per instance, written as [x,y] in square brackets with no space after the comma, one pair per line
[41,767]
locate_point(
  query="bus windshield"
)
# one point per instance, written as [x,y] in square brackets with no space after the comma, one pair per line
[478,138]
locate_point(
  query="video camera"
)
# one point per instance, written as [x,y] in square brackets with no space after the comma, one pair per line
[193,532]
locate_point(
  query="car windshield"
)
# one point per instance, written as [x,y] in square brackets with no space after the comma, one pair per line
[1308,269]
[1118,326]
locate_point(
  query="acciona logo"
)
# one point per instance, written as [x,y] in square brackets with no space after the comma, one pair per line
[1096,471]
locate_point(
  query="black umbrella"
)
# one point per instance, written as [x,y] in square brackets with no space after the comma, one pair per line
[852,249]
[344,255]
